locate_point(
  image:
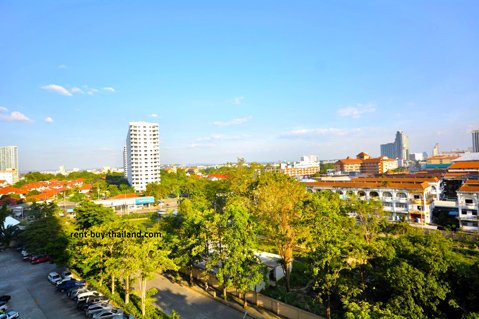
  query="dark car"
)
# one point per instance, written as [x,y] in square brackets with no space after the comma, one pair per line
[69,284]
[5,298]
[40,259]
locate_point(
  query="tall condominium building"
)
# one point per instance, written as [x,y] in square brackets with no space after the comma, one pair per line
[9,163]
[398,149]
[142,154]
[475,141]
[8,158]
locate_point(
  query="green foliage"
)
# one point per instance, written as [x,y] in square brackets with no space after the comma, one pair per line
[277,204]
[233,250]
[89,214]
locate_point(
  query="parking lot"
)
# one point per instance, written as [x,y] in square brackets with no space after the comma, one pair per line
[32,295]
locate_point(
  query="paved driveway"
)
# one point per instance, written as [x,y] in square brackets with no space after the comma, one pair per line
[188,303]
[32,295]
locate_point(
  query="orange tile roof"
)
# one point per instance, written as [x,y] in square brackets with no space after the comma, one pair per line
[12,190]
[353,184]
[465,165]
[439,157]
[469,188]
[123,196]
[398,179]
[350,161]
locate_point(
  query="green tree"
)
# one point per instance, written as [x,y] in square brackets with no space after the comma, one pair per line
[278,205]
[332,246]
[151,258]
[190,241]
[89,214]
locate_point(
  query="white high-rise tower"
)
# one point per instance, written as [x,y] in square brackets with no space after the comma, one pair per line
[142,154]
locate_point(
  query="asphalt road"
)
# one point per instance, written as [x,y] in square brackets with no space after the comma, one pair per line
[32,295]
[188,303]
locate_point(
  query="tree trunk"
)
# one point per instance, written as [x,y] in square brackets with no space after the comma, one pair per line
[191,276]
[328,307]
[127,289]
[225,297]
[112,284]
[143,296]
[245,302]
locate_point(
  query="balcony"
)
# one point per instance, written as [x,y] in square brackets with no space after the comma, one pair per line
[468,217]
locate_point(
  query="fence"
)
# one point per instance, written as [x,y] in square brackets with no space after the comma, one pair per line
[262,301]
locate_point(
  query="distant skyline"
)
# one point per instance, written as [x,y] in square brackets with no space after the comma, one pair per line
[266,81]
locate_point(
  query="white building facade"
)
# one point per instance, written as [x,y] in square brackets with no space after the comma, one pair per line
[9,163]
[468,204]
[409,199]
[142,154]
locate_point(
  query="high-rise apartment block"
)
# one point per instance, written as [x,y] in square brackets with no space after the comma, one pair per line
[398,149]
[475,141]
[9,163]
[142,154]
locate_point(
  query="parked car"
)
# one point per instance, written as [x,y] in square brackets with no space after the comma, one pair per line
[74,293]
[10,314]
[54,277]
[3,306]
[39,259]
[67,275]
[82,304]
[69,284]
[93,309]
[5,298]
[86,294]
[27,258]
[107,314]
[123,316]
[61,281]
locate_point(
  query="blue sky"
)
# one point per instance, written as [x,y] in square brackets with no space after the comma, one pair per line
[264,80]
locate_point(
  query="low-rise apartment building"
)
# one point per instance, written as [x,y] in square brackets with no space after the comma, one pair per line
[405,198]
[468,204]
[364,163]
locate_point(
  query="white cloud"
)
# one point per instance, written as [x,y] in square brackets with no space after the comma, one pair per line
[13,116]
[57,89]
[202,145]
[356,111]
[48,120]
[221,137]
[76,90]
[238,100]
[236,121]
[330,131]
[91,91]
[3,109]
[62,66]
[153,115]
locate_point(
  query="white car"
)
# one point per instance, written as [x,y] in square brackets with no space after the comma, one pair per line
[67,275]
[86,294]
[10,314]
[54,277]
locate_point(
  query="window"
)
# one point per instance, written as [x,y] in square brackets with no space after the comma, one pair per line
[469,201]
